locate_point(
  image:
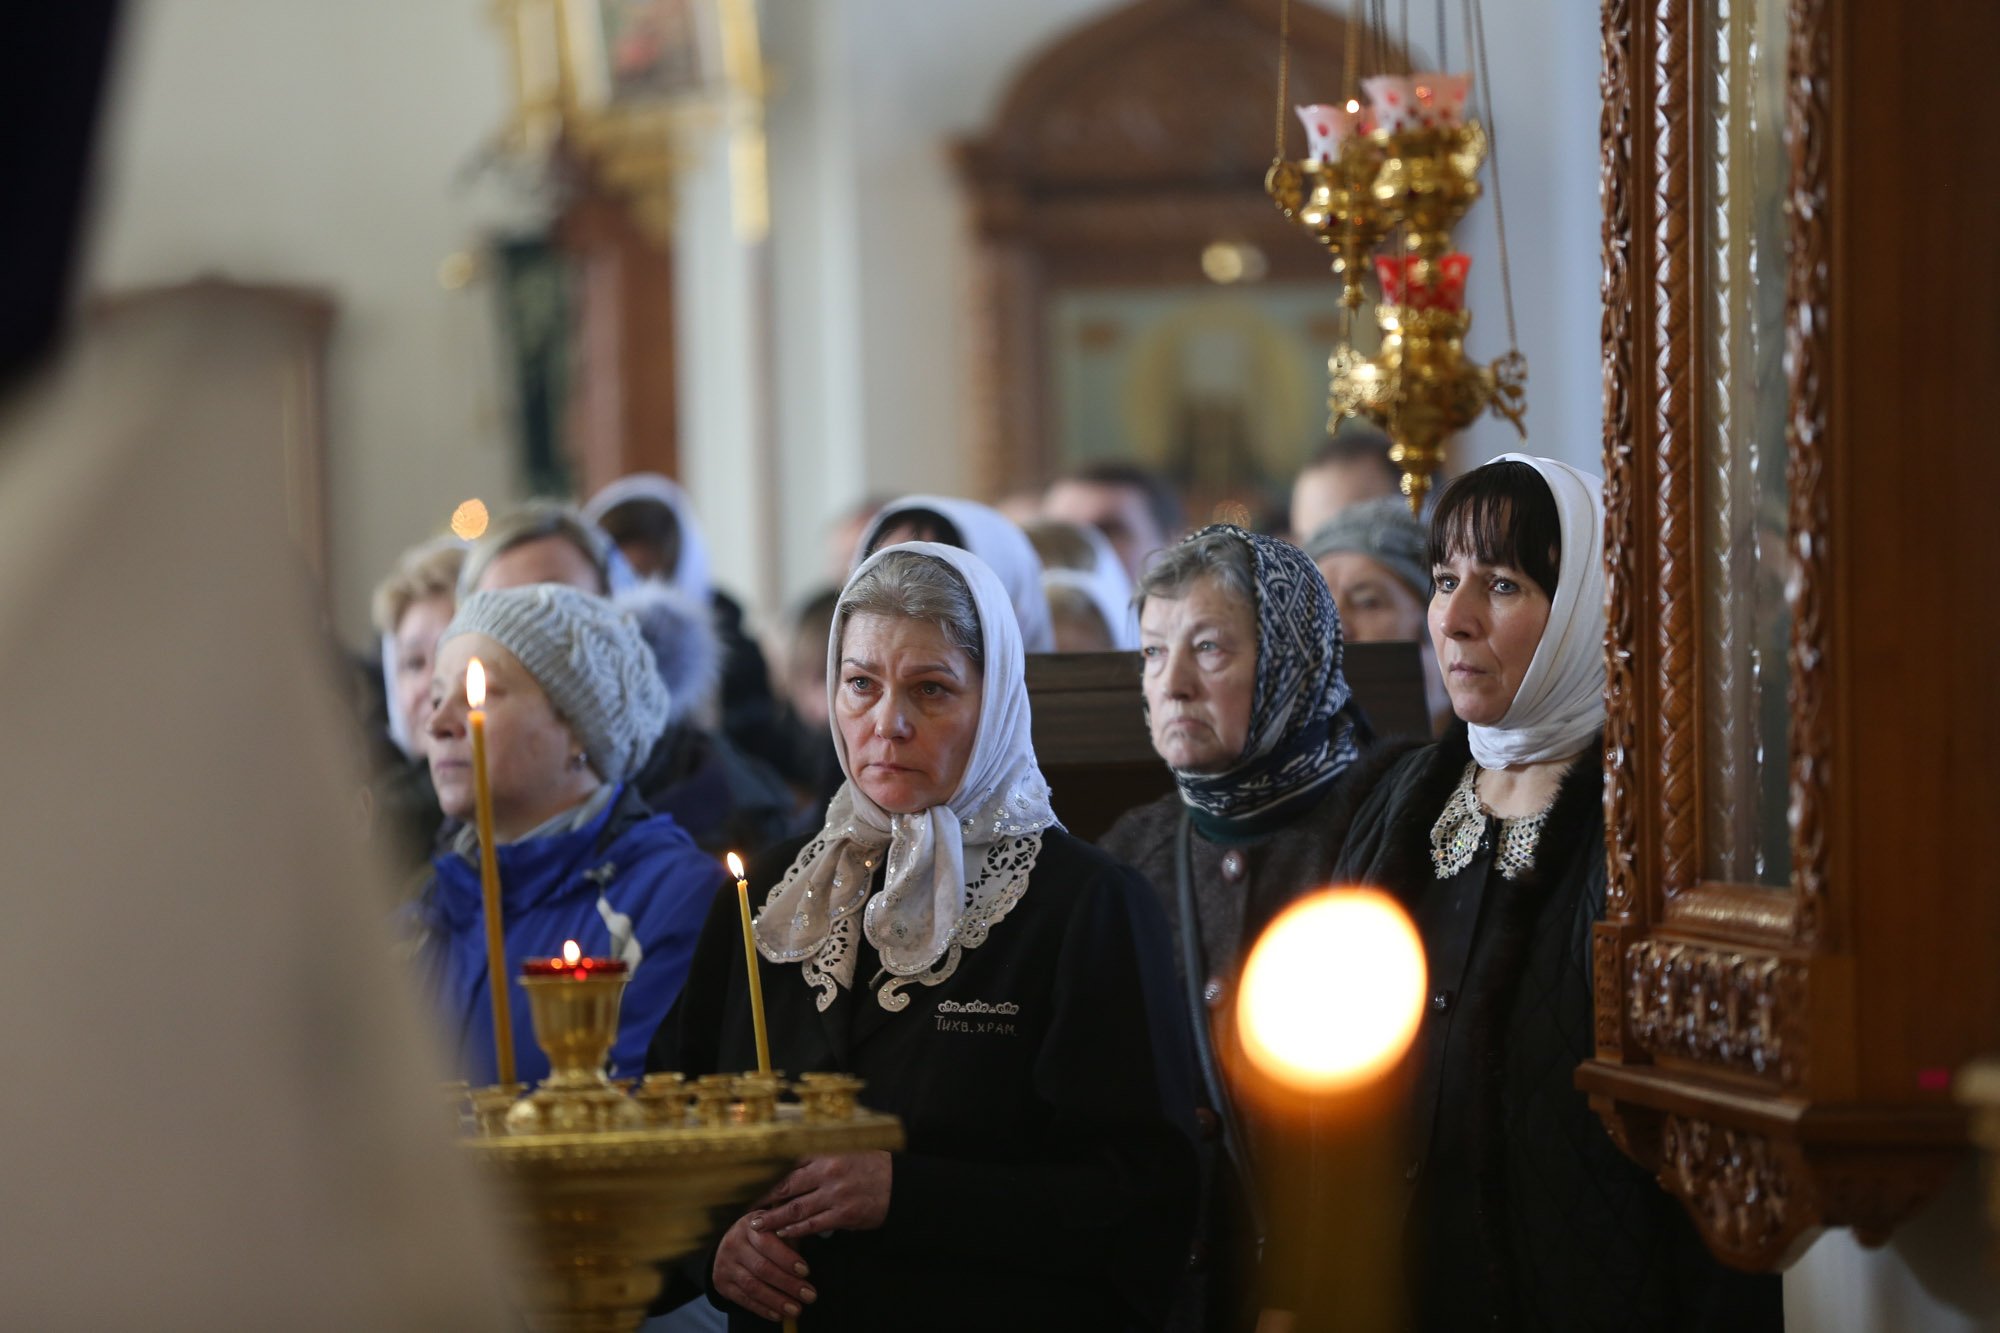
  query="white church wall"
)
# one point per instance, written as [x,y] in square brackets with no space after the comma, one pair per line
[1937,1274]
[320,144]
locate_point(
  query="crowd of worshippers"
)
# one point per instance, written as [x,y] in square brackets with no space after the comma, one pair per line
[1040,1011]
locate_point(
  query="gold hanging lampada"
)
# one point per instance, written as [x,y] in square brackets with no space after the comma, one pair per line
[1407,158]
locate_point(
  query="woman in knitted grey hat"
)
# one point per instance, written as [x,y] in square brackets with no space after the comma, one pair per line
[1375,558]
[573,706]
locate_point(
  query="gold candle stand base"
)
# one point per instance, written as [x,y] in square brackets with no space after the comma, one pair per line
[598,1211]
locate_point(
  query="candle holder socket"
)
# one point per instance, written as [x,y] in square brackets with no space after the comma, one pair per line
[663,1098]
[576,1021]
[828,1097]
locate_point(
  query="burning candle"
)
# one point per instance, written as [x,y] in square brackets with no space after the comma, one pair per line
[1331,999]
[573,965]
[489,876]
[1333,992]
[750,965]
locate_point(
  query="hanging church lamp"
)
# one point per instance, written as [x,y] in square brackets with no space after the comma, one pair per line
[1390,169]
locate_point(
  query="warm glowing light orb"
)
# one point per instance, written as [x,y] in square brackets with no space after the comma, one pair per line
[735,865]
[1333,992]
[468,521]
[1352,106]
[571,953]
[475,684]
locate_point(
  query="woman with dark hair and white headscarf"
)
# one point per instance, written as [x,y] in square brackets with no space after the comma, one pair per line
[1002,986]
[1522,1212]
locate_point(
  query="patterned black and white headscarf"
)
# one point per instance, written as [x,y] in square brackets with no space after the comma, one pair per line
[1302,727]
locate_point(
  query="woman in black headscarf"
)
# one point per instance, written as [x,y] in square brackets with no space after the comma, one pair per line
[1247,705]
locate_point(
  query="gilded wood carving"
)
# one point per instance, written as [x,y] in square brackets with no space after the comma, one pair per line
[1732,1018]
[1674,399]
[1808,322]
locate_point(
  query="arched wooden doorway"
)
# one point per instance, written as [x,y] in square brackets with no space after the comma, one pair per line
[1118,155]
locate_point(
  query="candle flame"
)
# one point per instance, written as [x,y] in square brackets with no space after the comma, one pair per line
[475,684]
[571,953]
[735,865]
[1333,992]
[1352,106]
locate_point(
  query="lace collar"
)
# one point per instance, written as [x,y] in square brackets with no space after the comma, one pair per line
[1456,836]
[951,872]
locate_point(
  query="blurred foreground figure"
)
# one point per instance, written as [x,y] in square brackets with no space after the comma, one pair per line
[224,1114]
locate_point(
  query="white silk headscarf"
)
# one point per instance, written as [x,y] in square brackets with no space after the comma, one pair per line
[997,541]
[1560,703]
[954,870]
[691,577]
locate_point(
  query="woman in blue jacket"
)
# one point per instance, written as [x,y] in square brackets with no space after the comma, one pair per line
[573,706]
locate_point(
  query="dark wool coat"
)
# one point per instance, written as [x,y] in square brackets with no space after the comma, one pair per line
[1570,1233]
[1262,876]
[1049,1175]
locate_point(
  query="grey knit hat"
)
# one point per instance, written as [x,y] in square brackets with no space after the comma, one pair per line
[1385,532]
[588,658]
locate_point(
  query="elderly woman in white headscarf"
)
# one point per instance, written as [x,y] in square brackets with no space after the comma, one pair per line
[988,534]
[1003,987]
[1522,1212]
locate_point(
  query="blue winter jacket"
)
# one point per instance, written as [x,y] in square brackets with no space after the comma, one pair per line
[629,884]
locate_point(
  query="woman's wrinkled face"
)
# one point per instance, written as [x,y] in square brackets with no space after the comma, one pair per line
[414,647]
[1199,654]
[1486,622]
[1375,606]
[908,711]
[530,751]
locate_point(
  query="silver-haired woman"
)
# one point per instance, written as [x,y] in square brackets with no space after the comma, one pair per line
[1241,645]
[1003,987]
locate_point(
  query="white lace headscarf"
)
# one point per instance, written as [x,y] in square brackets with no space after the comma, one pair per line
[691,577]
[954,870]
[996,540]
[1560,703]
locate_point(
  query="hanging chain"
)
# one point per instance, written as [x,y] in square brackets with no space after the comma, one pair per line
[1284,72]
[1493,151]
[1351,56]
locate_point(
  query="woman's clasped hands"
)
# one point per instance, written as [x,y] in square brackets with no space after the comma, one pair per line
[757,1266]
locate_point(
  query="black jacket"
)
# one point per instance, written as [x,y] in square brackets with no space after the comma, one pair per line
[1239,887]
[726,800]
[1048,1177]
[1550,1226]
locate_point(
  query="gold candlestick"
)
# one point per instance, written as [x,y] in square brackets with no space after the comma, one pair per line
[761,1033]
[575,1005]
[489,877]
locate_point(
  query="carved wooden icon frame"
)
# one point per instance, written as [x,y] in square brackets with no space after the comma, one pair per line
[1732,1052]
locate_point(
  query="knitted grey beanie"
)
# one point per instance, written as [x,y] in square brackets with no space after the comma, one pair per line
[588,658]
[1385,532]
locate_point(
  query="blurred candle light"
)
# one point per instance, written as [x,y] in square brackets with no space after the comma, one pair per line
[469,520]
[489,875]
[1330,1001]
[1333,992]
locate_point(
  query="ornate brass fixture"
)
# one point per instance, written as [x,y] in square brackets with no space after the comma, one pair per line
[1408,161]
[603,1182]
